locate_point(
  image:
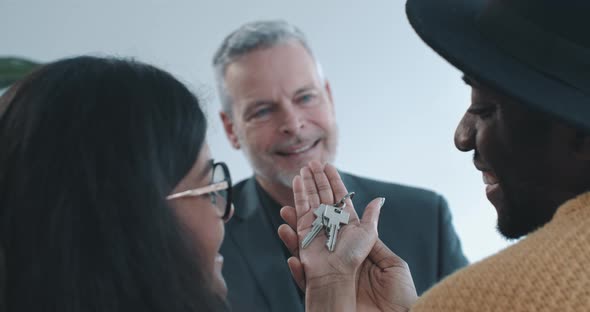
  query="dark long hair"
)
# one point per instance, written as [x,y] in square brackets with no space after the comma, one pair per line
[89,149]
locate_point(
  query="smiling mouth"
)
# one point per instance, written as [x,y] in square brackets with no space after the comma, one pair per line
[297,150]
[493,188]
[489,178]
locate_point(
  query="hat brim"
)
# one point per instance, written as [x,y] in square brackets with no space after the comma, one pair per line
[449,27]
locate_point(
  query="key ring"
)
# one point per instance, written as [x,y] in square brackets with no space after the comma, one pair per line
[341,204]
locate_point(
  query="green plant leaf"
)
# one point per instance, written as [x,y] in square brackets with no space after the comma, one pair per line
[14,68]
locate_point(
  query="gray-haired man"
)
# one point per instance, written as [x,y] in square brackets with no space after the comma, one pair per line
[278,109]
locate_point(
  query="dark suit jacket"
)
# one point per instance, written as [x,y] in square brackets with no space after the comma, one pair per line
[414,223]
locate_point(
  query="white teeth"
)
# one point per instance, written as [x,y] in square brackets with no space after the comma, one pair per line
[302,149]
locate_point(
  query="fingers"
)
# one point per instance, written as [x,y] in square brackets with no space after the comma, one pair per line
[309,185]
[335,181]
[289,214]
[297,271]
[371,214]
[289,238]
[300,197]
[324,189]
[302,207]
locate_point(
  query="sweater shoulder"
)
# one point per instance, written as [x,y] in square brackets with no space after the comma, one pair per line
[543,272]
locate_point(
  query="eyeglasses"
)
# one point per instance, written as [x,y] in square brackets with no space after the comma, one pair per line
[220,186]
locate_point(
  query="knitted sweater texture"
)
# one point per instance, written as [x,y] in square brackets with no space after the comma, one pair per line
[547,271]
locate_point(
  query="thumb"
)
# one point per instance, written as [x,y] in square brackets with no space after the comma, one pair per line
[297,271]
[371,214]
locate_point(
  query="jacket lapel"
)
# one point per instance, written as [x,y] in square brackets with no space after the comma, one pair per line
[261,249]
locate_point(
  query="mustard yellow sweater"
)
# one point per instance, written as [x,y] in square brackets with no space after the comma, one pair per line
[547,271]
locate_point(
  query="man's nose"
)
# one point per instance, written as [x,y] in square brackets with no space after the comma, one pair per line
[465,134]
[292,121]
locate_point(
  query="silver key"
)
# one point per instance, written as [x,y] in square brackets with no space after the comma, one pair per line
[317,226]
[334,216]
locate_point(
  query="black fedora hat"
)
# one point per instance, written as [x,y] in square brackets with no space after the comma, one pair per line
[537,51]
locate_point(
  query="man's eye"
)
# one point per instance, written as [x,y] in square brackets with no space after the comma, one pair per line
[306,98]
[262,112]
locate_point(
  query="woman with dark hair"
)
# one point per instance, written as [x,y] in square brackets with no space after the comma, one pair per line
[109,200]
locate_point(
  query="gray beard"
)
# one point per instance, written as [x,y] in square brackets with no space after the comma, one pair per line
[283,178]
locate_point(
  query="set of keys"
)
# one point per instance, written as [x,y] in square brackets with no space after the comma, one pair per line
[330,218]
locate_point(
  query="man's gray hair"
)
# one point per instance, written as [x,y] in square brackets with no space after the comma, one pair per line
[248,38]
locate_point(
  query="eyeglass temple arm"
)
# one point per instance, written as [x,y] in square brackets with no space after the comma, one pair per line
[219,186]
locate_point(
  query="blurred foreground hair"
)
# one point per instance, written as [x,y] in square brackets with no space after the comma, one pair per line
[89,149]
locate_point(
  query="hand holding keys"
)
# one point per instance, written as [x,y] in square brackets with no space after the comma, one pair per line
[362,273]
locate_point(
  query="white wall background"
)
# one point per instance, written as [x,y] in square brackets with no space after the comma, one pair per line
[397,102]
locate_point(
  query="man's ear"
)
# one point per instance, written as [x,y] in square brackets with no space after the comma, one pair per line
[228,126]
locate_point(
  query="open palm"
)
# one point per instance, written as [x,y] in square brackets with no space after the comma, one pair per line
[383,281]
